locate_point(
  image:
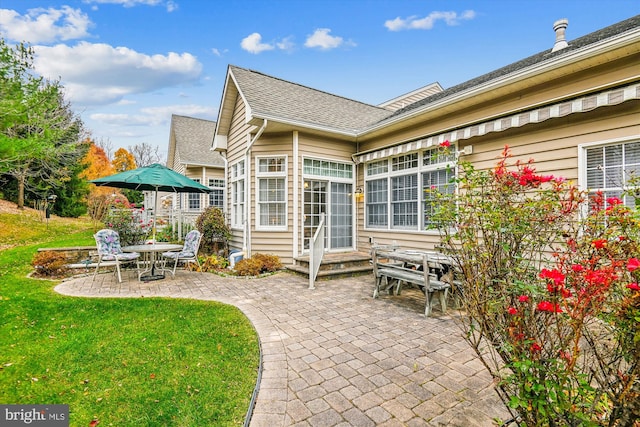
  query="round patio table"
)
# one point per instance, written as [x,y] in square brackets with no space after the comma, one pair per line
[150,253]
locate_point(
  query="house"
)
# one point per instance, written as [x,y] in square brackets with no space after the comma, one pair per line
[294,153]
[189,154]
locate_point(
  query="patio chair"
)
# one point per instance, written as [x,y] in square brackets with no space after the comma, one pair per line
[189,252]
[110,252]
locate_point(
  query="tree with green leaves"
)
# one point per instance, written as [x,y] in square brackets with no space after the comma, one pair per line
[40,136]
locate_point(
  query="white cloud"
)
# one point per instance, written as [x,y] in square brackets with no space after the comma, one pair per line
[253,44]
[44,25]
[153,116]
[219,52]
[95,74]
[427,23]
[323,40]
[286,44]
[126,3]
[169,4]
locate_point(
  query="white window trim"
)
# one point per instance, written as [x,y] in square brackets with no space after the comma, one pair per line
[260,175]
[233,179]
[222,187]
[582,160]
[390,174]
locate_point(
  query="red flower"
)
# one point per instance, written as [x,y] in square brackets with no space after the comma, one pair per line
[613,201]
[634,286]
[445,144]
[512,310]
[549,306]
[577,268]
[633,264]
[555,275]
[599,243]
[535,347]
[523,298]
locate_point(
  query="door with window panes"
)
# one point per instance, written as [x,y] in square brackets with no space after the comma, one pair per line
[328,190]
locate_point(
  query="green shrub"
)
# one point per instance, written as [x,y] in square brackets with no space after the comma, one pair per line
[128,222]
[50,264]
[214,229]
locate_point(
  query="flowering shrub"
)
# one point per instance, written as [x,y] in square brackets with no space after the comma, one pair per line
[129,223]
[551,301]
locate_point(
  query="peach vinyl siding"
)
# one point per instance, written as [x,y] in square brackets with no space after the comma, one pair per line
[274,242]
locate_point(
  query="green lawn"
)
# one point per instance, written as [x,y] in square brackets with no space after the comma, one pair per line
[123,362]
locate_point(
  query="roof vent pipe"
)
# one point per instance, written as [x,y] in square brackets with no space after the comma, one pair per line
[560,26]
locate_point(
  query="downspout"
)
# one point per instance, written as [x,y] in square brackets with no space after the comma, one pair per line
[247,187]
[225,209]
[296,199]
[355,217]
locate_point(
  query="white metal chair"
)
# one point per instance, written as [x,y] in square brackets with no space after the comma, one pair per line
[110,252]
[189,252]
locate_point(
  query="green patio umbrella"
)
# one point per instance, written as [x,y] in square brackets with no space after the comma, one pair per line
[155,177]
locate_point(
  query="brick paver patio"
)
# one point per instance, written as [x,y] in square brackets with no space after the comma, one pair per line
[333,356]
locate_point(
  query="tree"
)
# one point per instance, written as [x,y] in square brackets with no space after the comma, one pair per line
[145,154]
[97,163]
[39,134]
[123,160]
[106,145]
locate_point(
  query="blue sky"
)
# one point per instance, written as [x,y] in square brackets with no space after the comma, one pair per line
[127,65]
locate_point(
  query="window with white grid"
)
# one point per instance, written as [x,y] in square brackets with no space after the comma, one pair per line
[194,199]
[237,194]
[611,169]
[271,178]
[400,192]
[377,203]
[216,198]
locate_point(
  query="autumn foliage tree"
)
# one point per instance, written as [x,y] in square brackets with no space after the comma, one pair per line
[97,166]
[123,160]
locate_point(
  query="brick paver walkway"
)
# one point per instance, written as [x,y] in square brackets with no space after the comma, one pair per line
[334,356]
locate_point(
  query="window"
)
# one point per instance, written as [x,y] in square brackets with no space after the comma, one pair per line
[610,167]
[216,198]
[194,199]
[272,206]
[377,199]
[327,168]
[400,191]
[237,194]
[404,201]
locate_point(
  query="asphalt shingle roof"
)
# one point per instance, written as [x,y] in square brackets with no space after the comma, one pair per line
[279,98]
[545,55]
[193,141]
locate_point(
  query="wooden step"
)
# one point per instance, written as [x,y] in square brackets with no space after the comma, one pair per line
[336,265]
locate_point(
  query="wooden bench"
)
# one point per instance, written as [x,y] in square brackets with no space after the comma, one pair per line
[412,268]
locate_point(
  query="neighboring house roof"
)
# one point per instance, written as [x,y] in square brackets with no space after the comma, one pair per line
[190,142]
[276,99]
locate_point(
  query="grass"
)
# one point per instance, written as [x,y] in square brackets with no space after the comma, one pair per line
[122,362]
